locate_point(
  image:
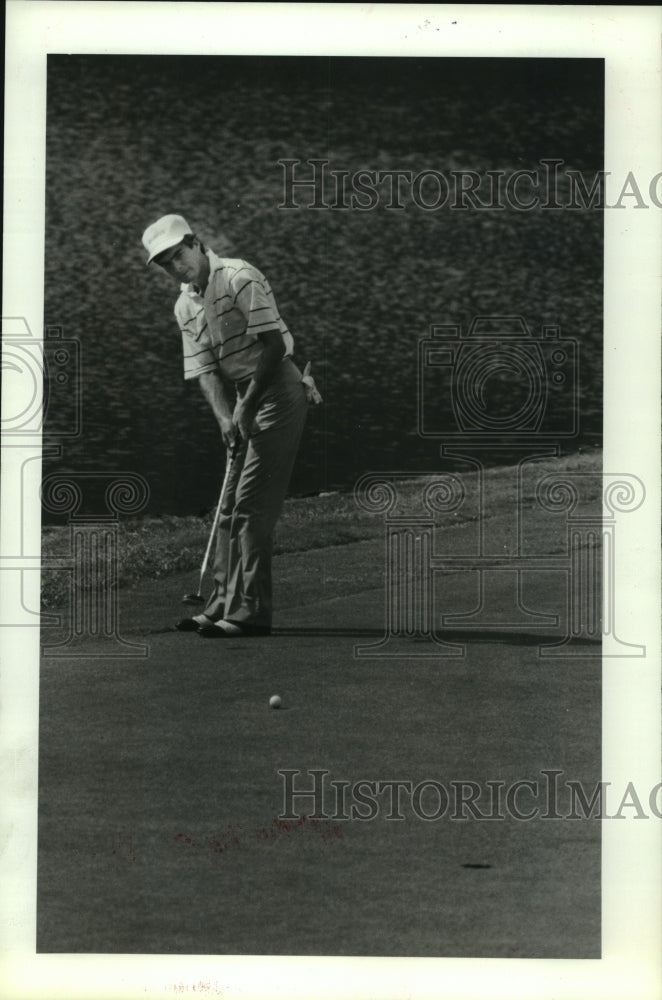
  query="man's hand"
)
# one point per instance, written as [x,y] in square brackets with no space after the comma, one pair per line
[243,417]
[273,349]
[228,432]
[218,396]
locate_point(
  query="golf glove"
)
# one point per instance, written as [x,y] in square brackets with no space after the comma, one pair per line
[312,395]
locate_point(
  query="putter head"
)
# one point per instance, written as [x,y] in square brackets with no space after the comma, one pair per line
[193,599]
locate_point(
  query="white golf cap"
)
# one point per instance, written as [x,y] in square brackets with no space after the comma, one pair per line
[166,232]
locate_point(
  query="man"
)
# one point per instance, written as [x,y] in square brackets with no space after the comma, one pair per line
[240,350]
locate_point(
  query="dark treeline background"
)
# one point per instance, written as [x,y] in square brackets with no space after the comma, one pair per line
[131,138]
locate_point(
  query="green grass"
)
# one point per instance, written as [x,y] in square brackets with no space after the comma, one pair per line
[160,797]
[152,548]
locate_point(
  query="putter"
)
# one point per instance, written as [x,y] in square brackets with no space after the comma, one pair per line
[198,598]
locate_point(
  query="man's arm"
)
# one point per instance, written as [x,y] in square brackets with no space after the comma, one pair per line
[273,349]
[219,397]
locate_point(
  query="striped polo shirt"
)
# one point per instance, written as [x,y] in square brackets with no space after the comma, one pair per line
[220,328]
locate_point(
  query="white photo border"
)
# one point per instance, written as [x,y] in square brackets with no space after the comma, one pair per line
[628,38]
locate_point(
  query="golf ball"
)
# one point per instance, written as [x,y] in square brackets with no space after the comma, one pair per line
[274,701]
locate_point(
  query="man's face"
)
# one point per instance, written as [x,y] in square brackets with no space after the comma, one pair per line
[184,263]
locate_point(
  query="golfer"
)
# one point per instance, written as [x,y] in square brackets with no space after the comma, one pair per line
[240,350]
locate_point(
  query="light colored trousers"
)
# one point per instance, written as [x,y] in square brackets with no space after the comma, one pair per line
[254,500]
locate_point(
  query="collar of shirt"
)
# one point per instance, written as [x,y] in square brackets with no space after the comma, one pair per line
[189,288]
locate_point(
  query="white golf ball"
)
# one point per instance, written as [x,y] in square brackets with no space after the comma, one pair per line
[275,701]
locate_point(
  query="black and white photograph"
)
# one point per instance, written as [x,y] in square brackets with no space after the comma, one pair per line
[331,513]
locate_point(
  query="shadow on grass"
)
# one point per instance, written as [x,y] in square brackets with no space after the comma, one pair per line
[466,635]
